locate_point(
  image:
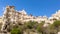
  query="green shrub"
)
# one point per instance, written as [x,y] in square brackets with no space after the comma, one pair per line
[30,24]
[16,31]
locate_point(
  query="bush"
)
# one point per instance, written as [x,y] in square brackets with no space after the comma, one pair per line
[30,24]
[16,31]
[40,28]
[56,23]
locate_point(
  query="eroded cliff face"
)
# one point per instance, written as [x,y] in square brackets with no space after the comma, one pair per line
[7,18]
[11,16]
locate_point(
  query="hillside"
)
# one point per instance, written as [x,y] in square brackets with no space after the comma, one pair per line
[14,22]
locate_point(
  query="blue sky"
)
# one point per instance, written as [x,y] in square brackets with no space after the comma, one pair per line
[34,7]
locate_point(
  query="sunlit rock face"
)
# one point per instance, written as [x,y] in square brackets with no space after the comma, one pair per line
[7,16]
[58,32]
[12,16]
[56,15]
